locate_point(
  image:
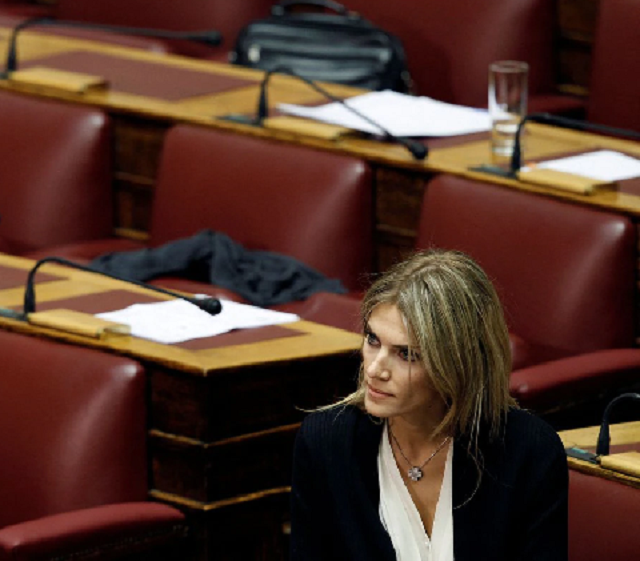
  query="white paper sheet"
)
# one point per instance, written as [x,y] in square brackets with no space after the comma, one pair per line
[176,321]
[604,165]
[400,114]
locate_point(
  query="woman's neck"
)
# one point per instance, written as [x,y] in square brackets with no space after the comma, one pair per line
[416,435]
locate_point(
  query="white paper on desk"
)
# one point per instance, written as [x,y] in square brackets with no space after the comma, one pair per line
[176,321]
[604,165]
[400,114]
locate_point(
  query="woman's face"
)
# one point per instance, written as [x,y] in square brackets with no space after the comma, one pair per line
[395,380]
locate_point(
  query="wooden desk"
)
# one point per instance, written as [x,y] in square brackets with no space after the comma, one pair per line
[221,419]
[399,180]
[624,437]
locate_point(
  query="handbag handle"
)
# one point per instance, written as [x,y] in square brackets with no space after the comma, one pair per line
[284,6]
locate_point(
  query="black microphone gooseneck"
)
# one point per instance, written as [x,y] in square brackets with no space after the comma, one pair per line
[418,151]
[209,37]
[548,119]
[604,439]
[209,305]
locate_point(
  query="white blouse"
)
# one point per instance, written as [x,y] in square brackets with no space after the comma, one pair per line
[400,516]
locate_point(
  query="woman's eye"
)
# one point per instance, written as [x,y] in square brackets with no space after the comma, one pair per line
[371,339]
[407,355]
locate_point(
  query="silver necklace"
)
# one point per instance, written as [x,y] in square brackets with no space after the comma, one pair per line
[415,473]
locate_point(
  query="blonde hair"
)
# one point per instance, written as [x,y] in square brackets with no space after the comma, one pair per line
[456,325]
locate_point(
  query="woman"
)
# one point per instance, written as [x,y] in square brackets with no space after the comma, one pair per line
[430,459]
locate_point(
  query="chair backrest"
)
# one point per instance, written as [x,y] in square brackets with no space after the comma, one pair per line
[194,15]
[450,44]
[614,96]
[73,428]
[55,178]
[565,273]
[603,519]
[314,206]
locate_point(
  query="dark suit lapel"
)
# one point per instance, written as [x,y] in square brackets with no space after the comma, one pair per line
[465,517]
[366,442]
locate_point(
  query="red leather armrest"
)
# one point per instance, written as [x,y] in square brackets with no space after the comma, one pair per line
[337,310]
[574,378]
[108,530]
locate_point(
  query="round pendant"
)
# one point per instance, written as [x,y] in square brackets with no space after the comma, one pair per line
[415,473]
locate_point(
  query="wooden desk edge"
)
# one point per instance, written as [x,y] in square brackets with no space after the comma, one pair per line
[210,506]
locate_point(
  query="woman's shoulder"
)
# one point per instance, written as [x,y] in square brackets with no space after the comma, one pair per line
[337,426]
[528,432]
[333,420]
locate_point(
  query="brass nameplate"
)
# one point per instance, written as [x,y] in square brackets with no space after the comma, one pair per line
[79,323]
[560,180]
[625,462]
[58,80]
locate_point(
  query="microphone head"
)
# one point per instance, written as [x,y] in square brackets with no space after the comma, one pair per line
[209,305]
[418,150]
[212,38]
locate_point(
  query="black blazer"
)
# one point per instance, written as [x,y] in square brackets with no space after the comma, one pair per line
[519,511]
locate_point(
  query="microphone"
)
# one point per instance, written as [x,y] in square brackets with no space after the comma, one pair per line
[604,439]
[548,119]
[210,305]
[418,151]
[209,37]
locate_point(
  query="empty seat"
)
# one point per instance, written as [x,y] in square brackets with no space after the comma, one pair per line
[450,45]
[614,97]
[311,205]
[73,475]
[55,180]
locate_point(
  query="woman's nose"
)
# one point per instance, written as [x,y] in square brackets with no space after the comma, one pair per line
[378,367]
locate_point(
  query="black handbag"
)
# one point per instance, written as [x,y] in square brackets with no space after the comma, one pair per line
[340,47]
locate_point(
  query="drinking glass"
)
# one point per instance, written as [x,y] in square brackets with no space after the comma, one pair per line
[508,85]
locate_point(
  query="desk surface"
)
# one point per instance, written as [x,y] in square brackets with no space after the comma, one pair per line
[542,141]
[624,437]
[309,340]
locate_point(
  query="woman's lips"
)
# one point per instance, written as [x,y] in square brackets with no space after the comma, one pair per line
[377,394]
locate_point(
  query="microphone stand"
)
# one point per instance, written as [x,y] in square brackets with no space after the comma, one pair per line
[604,439]
[210,37]
[548,119]
[209,305]
[418,151]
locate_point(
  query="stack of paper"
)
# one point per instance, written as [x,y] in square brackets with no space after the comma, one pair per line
[602,165]
[176,321]
[399,114]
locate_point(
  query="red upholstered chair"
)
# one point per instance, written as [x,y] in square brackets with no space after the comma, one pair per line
[55,179]
[565,274]
[603,519]
[195,15]
[450,45]
[73,475]
[614,97]
[311,205]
